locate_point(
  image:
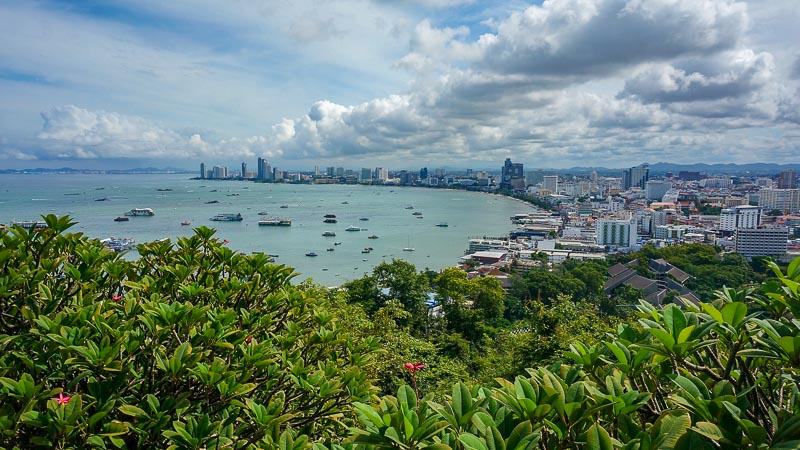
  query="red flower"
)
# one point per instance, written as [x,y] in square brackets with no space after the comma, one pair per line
[248,339]
[225,241]
[63,399]
[117,297]
[414,367]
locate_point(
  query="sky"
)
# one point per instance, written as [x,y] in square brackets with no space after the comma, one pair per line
[398,83]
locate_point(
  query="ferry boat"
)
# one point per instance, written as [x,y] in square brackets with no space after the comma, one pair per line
[275,222]
[136,212]
[227,217]
[118,244]
[121,219]
[352,229]
[30,224]
[329,234]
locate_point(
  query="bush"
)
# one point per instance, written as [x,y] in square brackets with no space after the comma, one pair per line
[190,346]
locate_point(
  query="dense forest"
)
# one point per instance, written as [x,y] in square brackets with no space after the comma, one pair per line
[193,345]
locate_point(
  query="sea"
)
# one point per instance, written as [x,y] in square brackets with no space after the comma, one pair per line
[94,200]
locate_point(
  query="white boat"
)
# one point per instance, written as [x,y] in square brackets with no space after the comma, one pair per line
[30,224]
[275,222]
[409,248]
[227,217]
[352,229]
[118,244]
[136,212]
[442,224]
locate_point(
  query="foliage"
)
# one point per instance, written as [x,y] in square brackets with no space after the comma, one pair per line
[715,375]
[190,346]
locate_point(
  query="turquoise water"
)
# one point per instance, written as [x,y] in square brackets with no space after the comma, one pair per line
[26,197]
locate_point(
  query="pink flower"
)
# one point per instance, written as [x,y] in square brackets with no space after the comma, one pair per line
[248,339]
[63,399]
[117,297]
[410,366]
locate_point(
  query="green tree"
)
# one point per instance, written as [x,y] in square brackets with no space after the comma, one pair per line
[190,346]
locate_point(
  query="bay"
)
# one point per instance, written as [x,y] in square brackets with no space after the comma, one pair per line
[95,200]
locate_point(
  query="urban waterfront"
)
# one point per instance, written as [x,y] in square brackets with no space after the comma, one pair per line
[95,200]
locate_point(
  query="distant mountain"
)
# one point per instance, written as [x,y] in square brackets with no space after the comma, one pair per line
[711,169]
[97,171]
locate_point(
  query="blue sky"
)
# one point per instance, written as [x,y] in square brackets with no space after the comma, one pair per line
[400,84]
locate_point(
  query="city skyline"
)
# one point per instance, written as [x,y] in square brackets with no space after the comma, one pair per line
[125,84]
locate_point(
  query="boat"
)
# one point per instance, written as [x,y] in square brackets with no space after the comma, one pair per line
[330,249]
[212,202]
[329,233]
[337,243]
[330,221]
[275,222]
[364,219]
[366,250]
[420,217]
[351,228]
[409,207]
[311,254]
[330,216]
[263,213]
[345,203]
[137,212]
[227,217]
[442,224]
[416,213]
[284,206]
[163,190]
[121,219]
[372,236]
[30,224]
[409,248]
[104,199]
[232,195]
[118,244]
[186,222]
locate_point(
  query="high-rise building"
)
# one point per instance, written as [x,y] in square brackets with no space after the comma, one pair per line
[266,169]
[512,176]
[550,183]
[423,173]
[331,171]
[366,175]
[381,174]
[786,200]
[787,180]
[203,170]
[616,232]
[635,176]
[761,241]
[244,170]
[340,171]
[655,189]
[534,177]
[745,216]
[260,168]
[219,172]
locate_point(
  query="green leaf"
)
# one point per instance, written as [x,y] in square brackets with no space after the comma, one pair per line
[131,410]
[597,438]
[472,442]
[734,313]
[668,429]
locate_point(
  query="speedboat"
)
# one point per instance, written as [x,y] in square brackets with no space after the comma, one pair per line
[442,224]
[121,219]
[372,236]
[186,222]
[329,234]
[311,254]
[352,229]
[364,219]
